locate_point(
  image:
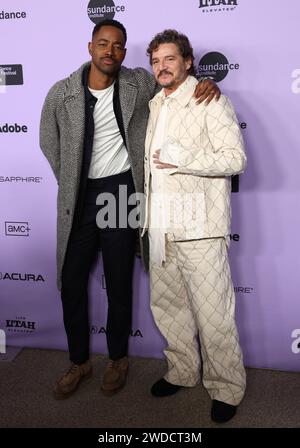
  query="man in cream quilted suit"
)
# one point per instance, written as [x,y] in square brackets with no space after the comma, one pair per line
[191,152]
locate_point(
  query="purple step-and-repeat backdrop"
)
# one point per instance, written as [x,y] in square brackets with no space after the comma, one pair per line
[251,47]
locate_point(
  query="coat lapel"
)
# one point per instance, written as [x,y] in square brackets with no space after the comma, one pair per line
[75,116]
[128,94]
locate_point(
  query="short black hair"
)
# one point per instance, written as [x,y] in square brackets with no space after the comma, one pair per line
[110,22]
[173,37]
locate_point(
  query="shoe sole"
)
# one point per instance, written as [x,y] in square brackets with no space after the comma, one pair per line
[62,396]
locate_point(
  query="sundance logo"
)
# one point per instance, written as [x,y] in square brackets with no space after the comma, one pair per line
[12,15]
[17,228]
[99,10]
[11,75]
[217,5]
[16,276]
[215,65]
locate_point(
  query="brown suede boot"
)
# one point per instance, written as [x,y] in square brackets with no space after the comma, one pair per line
[70,381]
[114,377]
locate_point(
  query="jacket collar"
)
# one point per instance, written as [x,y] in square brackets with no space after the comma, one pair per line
[78,79]
[182,95]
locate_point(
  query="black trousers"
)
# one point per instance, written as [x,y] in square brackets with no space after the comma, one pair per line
[118,247]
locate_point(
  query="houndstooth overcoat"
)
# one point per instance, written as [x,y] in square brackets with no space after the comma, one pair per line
[62,130]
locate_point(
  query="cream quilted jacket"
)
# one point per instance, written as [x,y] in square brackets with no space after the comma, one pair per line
[211,149]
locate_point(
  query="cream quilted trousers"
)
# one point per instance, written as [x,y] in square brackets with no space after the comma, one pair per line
[192,299]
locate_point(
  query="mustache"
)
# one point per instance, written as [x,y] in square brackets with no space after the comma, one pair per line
[108,57]
[164,72]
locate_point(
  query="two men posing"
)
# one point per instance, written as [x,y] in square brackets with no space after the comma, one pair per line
[93,132]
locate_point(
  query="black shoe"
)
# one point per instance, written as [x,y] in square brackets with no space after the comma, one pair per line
[163,389]
[222,412]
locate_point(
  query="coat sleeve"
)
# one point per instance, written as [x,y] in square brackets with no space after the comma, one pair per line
[49,130]
[222,152]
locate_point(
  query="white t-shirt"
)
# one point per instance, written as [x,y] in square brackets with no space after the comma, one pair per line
[109,154]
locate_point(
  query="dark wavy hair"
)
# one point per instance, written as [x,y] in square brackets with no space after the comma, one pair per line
[173,37]
[110,22]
